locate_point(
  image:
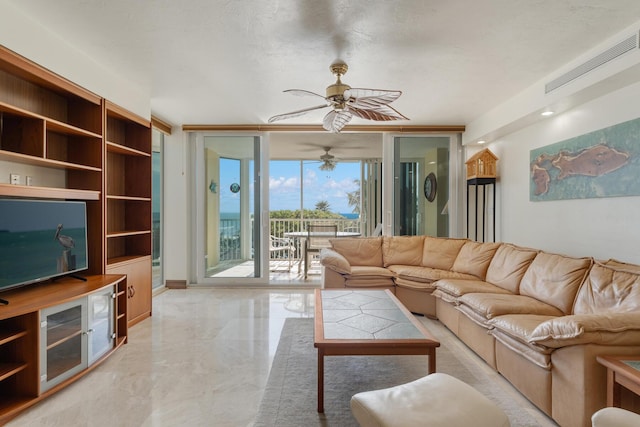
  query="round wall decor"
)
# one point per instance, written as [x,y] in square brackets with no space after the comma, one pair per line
[430,187]
[235,187]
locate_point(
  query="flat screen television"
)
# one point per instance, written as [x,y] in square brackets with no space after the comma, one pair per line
[41,240]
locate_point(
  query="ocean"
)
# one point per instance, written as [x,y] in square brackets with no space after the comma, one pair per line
[230,223]
[236,215]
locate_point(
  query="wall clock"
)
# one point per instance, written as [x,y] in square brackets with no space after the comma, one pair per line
[430,187]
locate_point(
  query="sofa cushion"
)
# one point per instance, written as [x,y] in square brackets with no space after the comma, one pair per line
[540,356]
[621,265]
[601,329]
[425,274]
[493,305]
[555,279]
[367,282]
[513,332]
[359,250]
[368,277]
[441,252]
[474,316]
[608,288]
[362,271]
[519,326]
[335,261]
[474,258]
[416,286]
[508,265]
[406,250]
[458,287]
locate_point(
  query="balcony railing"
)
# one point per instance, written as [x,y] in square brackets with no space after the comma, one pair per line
[230,234]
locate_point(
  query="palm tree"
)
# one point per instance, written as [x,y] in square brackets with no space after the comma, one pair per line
[323,206]
[353,198]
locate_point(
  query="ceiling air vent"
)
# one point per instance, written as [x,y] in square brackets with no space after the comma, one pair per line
[610,54]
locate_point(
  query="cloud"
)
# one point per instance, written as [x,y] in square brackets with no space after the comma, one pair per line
[347,185]
[283,184]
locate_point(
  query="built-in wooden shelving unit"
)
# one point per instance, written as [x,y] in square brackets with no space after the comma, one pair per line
[102,152]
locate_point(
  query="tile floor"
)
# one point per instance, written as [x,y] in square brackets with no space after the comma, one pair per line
[204,355]
[203,359]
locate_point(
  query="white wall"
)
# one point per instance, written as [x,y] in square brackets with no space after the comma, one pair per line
[26,37]
[176,206]
[604,227]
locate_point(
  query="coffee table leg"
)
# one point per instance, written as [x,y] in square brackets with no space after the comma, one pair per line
[320,380]
[432,361]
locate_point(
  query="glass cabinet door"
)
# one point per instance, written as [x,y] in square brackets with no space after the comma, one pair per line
[100,323]
[62,342]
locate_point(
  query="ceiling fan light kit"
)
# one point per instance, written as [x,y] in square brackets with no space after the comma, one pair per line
[328,160]
[346,102]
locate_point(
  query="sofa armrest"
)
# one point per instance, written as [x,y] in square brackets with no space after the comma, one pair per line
[334,261]
[602,329]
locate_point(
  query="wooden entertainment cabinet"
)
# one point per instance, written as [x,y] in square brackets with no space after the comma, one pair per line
[40,353]
[79,146]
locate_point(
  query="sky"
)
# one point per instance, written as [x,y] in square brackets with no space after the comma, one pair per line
[284,185]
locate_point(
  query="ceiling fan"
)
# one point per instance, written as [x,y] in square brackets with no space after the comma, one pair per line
[328,160]
[346,102]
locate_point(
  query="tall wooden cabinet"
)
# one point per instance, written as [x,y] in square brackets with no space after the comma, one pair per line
[84,148]
[128,205]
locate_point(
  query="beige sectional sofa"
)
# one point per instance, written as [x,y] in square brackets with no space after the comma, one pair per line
[538,318]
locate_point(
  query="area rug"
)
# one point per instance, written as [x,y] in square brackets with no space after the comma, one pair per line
[290,397]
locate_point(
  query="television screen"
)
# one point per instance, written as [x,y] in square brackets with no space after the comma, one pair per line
[41,239]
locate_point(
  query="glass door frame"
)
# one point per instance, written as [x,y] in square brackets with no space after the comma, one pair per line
[157,276]
[199,187]
[456,178]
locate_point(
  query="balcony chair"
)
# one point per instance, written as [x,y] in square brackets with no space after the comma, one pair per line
[282,245]
[318,236]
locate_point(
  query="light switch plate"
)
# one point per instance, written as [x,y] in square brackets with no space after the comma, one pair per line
[15,179]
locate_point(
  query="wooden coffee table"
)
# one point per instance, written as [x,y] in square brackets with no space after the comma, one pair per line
[366,323]
[622,371]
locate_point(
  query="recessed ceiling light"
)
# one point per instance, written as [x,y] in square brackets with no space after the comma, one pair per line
[482,141]
[547,113]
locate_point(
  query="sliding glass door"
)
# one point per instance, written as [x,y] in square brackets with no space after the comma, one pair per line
[410,187]
[227,189]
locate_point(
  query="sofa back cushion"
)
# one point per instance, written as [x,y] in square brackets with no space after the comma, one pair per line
[508,266]
[474,258]
[609,288]
[621,265]
[555,279]
[441,252]
[365,251]
[404,250]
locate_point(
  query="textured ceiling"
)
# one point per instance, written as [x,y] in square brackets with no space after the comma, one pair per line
[227,62]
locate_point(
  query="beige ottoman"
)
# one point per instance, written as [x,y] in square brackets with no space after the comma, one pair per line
[435,400]
[615,417]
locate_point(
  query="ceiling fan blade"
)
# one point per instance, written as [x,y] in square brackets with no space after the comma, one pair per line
[295,113]
[334,121]
[302,92]
[371,98]
[383,113]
